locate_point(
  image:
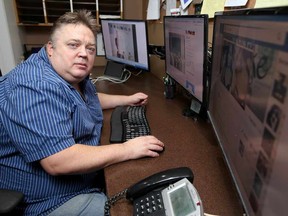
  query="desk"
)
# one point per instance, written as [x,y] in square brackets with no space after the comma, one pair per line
[187,143]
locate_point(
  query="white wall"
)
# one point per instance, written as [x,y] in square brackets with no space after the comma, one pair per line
[11,46]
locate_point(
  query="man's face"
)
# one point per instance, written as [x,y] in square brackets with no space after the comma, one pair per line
[72,52]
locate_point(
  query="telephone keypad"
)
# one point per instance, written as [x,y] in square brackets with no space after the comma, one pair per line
[150,204]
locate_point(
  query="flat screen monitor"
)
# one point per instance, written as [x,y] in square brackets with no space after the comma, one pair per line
[185,39]
[248,104]
[126,42]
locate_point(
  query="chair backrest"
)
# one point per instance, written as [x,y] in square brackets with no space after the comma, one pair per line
[9,199]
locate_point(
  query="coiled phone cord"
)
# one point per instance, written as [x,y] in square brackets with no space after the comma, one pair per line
[112,200]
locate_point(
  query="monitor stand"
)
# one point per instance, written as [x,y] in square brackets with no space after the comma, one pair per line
[114,70]
[196,110]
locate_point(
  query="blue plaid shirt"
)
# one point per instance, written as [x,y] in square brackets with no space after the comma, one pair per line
[40,115]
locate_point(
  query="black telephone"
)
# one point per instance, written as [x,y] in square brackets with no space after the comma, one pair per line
[149,189]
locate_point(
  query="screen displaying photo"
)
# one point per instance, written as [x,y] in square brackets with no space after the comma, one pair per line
[126,42]
[248,106]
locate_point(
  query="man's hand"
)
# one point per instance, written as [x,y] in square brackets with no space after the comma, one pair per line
[144,146]
[138,99]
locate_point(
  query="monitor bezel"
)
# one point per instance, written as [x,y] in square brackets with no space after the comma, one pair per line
[205,57]
[269,11]
[130,66]
[254,11]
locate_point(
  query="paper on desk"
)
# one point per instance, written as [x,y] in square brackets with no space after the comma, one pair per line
[211,6]
[270,3]
[235,3]
[153,11]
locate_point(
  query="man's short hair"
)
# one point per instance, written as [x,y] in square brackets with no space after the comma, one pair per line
[83,17]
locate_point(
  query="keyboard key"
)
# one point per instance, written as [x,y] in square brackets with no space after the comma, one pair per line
[128,122]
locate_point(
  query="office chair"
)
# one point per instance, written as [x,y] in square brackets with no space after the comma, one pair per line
[9,199]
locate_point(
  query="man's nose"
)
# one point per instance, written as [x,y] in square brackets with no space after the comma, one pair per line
[83,51]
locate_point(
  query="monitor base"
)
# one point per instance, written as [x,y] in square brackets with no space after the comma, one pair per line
[195,111]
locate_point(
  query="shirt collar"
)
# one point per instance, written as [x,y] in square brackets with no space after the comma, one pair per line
[43,54]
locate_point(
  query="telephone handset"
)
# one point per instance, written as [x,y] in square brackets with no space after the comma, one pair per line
[149,190]
[158,180]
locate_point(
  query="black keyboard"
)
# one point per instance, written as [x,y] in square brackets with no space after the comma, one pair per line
[128,122]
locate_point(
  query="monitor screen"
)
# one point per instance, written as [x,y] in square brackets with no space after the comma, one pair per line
[248,104]
[126,42]
[186,52]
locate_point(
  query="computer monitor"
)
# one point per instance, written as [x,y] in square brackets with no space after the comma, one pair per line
[126,42]
[248,104]
[186,43]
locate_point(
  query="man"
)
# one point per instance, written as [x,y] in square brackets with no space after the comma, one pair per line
[50,125]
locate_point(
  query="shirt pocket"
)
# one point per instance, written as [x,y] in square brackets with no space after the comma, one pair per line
[84,125]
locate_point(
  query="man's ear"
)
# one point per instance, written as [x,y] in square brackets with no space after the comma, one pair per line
[49,48]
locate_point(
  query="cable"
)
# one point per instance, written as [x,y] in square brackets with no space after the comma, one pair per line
[137,74]
[111,201]
[111,79]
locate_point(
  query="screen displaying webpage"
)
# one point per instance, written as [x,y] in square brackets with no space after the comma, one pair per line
[126,42]
[248,107]
[184,46]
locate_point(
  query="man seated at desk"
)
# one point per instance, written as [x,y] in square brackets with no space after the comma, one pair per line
[50,125]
